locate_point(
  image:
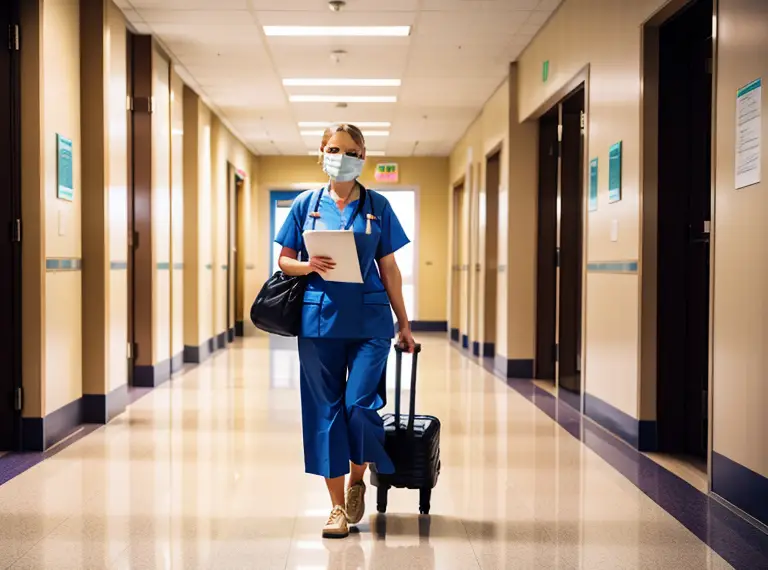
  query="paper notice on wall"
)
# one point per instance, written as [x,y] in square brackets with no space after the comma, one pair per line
[748,134]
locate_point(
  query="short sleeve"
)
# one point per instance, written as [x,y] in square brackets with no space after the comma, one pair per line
[290,235]
[393,236]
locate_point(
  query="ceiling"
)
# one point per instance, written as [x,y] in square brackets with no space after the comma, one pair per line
[457,54]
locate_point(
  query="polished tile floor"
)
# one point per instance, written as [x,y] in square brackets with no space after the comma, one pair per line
[206,472]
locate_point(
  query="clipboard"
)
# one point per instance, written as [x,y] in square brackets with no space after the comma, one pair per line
[340,246]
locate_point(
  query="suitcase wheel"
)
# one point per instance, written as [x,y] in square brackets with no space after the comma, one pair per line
[381,499]
[425,497]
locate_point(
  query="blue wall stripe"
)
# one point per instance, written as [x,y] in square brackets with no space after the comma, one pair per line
[612,267]
[178,266]
[208,266]
[118,265]
[163,265]
[63,264]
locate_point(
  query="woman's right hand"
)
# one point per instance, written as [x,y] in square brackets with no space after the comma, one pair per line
[321,265]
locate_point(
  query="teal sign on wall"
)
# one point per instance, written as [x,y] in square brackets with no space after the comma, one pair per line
[614,173]
[545,71]
[593,185]
[65,188]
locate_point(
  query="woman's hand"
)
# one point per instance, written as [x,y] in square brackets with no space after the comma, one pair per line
[405,340]
[321,265]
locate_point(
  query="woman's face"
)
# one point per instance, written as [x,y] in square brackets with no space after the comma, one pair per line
[342,143]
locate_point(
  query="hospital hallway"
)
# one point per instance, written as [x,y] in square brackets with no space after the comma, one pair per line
[206,472]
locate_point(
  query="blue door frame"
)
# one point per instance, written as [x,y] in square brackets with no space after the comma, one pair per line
[276,196]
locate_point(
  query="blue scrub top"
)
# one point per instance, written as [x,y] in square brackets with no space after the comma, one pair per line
[346,310]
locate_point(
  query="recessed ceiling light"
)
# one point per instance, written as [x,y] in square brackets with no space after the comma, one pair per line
[360,124]
[366,134]
[342,99]
[337,31]
[342,82]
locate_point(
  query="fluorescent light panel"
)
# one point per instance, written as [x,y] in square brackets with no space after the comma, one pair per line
[343,99]
[359,124]
[337,31]
[366,134]
[342,82]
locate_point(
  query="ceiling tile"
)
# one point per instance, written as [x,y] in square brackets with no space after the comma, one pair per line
[456,57]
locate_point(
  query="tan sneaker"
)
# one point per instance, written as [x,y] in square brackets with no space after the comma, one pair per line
[356,502]
[337,525]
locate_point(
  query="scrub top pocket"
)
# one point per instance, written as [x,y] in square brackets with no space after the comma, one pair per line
[377,314]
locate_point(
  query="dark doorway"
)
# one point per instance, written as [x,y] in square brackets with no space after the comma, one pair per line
[570,280]
[10,221]
[546,274]
[684,202]
[456,273]
[492,181]
[132,236]
[560,263]
[232,177]
[239,256]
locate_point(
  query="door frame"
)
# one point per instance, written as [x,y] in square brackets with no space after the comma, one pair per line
[276,196]
[491,266]
[649,190]
[582,77]
[456,192]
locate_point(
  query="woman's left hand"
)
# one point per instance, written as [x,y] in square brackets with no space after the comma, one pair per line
[405,340]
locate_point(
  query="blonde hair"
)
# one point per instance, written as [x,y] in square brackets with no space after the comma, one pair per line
[355,133]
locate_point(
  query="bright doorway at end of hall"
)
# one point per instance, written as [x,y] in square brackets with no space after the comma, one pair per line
[560,263]
[682,286]
[403,202]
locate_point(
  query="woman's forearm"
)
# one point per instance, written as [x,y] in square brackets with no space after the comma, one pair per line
[294,267]
[393,283]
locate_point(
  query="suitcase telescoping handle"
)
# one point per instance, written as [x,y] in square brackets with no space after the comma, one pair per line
[399,350]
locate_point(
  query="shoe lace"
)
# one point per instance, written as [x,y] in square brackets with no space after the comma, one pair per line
[337,515]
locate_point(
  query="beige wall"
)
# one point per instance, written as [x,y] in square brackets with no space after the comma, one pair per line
[209,147]
[740,396]
[429,175]
[63,290]
[498,128]
[104,204]
[225,150]
[161,207]
[117,198]
[177,215]
[606,36]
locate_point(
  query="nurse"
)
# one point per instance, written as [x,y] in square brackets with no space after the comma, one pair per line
[347,329]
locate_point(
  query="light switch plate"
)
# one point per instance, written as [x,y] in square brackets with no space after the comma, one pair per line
[614,230]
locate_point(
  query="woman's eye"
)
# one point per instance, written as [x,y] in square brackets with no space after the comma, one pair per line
[332,150]
[353,154]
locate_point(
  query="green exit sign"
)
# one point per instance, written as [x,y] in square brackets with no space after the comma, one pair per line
[545,71]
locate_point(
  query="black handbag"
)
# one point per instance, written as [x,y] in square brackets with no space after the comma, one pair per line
[277,308]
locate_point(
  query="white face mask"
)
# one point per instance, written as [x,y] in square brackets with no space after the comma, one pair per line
[342,167]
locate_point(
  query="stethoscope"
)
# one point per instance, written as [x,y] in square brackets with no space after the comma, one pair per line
[315,214]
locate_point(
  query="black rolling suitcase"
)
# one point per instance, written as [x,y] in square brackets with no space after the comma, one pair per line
[413,444]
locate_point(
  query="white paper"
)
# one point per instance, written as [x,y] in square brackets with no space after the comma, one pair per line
[748,134]
[340,246]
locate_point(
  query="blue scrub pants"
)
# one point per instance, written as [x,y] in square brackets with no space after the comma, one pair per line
[343,386]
